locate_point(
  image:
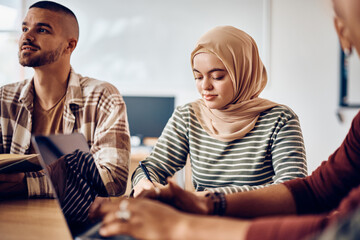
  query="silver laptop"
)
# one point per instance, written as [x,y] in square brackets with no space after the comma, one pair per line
[50,149]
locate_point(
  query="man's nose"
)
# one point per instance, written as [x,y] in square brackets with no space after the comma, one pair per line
[28,36]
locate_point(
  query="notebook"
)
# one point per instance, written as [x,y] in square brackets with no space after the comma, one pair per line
[51,148]
[12,163]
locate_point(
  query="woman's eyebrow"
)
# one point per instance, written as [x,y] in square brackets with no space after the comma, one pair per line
[212,70]
[216,70]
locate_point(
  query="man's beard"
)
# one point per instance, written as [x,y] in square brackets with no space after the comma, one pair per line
[45,58]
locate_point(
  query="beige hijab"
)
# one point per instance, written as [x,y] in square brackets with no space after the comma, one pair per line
[239,54]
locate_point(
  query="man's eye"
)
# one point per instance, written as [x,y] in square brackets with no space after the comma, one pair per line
[198,78]
[41,30]
[24,29]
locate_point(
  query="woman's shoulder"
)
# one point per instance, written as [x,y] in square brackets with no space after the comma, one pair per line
[185,108]
[281,111]
[185,113]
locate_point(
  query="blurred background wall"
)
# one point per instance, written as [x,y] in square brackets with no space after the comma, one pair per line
[143,47]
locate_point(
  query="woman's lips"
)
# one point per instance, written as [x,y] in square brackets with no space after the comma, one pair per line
[209,97]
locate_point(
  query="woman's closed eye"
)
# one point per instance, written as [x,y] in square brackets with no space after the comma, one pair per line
[218,77]
[198,77]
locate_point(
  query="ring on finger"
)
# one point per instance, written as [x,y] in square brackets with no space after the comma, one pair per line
[157,191]
[123,213]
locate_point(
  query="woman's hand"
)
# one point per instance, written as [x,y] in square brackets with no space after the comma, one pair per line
[145,184]
[146,219]
[186,201]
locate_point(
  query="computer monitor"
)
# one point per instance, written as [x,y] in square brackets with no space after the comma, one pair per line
[148,115]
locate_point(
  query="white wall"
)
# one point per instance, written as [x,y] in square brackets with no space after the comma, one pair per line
[305,73]
[143,47]
[303,67]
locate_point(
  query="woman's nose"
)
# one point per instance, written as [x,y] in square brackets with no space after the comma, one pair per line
[207,85]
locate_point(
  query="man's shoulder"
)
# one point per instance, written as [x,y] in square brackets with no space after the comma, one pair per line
[92,84]
[16,85]
[14,88]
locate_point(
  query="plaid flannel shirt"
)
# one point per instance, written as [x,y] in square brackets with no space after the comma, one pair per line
[92,107]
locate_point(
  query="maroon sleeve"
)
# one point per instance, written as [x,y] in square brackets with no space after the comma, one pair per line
[323,190]
[299,227]
[287,228]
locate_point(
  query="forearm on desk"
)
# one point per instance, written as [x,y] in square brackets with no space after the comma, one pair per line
[114,170]
[272,200]
[139,174]
[205,227]
[236,189]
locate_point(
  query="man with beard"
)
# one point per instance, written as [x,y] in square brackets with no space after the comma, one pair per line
[58,100]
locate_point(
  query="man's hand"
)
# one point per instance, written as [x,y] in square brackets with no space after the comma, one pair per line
[94,210]
[13,185]
[148,219]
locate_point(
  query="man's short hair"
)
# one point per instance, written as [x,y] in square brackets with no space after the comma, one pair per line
[55,7]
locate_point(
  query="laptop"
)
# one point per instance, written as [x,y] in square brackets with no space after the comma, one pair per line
[50,148]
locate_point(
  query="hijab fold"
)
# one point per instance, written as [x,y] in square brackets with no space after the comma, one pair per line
[239,54]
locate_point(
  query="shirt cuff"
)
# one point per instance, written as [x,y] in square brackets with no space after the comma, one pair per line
[38,185]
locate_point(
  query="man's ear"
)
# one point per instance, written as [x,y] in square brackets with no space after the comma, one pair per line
[343,33]
[71,45]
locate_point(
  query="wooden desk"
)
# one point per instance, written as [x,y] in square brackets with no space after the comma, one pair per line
[32,219]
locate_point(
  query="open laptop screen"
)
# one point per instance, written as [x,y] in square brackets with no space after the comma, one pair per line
[73,174]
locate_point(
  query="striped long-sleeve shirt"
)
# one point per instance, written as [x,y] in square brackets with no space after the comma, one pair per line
[272,152]
[92,107]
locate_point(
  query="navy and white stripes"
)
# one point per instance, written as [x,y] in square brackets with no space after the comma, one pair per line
[83,184]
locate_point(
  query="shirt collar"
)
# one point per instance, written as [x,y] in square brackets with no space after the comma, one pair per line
[73,92]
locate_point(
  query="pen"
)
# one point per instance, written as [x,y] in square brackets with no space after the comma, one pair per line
[147,174]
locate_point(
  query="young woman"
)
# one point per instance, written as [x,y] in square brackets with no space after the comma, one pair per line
[236,141]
